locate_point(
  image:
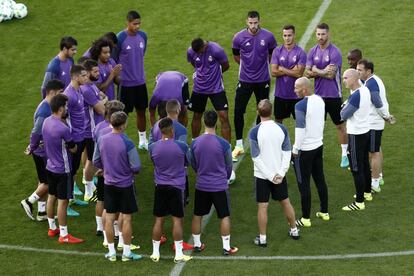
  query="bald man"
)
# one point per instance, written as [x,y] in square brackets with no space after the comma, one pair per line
[353,57]
[308,150]
[356,114]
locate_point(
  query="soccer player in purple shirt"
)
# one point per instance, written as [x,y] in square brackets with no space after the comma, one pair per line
[252,49]
[59,66]
[94,106]
[324,63]
[170,85]
[209,61]
[36,149]
[109,71]
[210,157]
[116,154]
[58,142]
[76,117]
[132,44]
[170,160]
[288,64]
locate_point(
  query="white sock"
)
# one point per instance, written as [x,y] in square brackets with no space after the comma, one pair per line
[142,137]
[99,225]
[33,198]
[116,228]
[239,143]
[178,249]
[111,247]
[63,230]
[156,248]
[226,242]
[344,148]
[83,175]
[197,241]
[127,250]
[121,240]
[375,182]
[89,188]
[41,206]
[380,176]
[105,238]
[262,238]
[52,223]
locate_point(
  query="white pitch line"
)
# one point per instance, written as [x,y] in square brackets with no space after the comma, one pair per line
[220,258]
[178,268]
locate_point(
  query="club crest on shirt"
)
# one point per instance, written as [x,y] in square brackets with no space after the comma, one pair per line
[210,58]
[141,45]
[294,58]
[326,58]
[262,42]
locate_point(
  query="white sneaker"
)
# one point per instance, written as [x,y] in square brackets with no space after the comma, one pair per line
[143,146]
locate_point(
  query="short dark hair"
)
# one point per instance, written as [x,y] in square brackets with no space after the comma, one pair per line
[113,106]
[54,84]
[322,26]
[111,36]
[369,65]
[165,125]
[132,15]
[357,52]
[67,42]
[118,119]
[210,118]
[97,46]
[264,108]
[289,27]
[57,102]
[253,14]
[197,44]
[89,64]
[81,60]
[76,70]
[161,109]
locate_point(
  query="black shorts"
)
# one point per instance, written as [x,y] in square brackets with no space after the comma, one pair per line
[118,199]
[284,108]
[100,188]
[40,163]
[185,94]
[375,140]
[60,185]
[204,200]
[168,200]
[90,147]
[134,96]
[76,157]
[198,101]
[244,92]
[333,107]
[265,188]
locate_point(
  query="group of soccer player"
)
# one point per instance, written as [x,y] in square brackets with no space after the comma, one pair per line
[80,122]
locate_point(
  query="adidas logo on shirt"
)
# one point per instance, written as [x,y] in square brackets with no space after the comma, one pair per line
[63,73]
[128,47]
[248,44]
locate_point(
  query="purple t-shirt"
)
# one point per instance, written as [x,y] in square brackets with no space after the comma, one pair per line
[36,140]
[210,157]
[76,113]
[254,54]
[90,95]
[57,69]
[104,72]
[117,156]
[180,132]
[285,85]
[208,78]
[55,136]
[169,86]
[170,159]
[130,53]
[101,129]
[326,88]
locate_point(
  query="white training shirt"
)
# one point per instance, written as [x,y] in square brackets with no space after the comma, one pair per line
[356,111]
[379,107]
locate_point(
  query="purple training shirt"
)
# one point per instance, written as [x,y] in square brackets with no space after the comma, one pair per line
[76,113]
[169,86]
[285,85]
[91,97]
[254,54]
